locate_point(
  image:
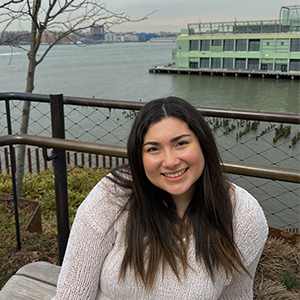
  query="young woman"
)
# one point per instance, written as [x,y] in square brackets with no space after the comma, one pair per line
[169,225]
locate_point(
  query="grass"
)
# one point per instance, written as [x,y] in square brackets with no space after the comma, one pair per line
[277,257]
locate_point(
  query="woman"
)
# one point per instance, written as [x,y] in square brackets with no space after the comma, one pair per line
[169,225]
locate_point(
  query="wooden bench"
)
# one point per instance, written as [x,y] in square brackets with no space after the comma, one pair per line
[35,281]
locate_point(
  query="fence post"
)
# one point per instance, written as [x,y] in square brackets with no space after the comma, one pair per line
[13,176]
[60,173]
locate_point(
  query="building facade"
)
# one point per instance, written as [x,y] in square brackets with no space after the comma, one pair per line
[270,46]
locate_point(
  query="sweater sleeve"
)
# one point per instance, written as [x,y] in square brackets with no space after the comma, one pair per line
[91,239]
[250,234]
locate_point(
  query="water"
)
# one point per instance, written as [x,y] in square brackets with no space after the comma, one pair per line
[120,71]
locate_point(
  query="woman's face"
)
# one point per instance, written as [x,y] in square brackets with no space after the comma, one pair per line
[172,158]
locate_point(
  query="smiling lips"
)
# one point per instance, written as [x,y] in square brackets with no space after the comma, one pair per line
[174,175]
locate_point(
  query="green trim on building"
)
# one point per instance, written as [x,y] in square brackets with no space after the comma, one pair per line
[258,45]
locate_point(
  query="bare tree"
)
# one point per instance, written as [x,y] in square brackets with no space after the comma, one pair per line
[62,17]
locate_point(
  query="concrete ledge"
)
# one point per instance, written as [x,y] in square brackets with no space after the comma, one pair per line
[32,282]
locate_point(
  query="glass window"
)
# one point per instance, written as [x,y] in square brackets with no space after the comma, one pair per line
[266,66]
[216,62]
[295,45]
[228,45]
[194,45]
[240,63]
[205,45]
[204,62]
[216,42]
[253,63]
[241,45]
[295,65]
[254,45]
[193,64]
[281,67]
[228,63]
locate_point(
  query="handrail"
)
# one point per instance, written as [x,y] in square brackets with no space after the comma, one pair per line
[278,117]
[65,144]
[233,167]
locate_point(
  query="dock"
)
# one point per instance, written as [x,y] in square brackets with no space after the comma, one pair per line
[226,72]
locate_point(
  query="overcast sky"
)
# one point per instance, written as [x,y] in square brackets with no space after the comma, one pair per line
[173,15]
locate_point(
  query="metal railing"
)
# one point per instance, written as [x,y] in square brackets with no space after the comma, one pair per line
[265,163]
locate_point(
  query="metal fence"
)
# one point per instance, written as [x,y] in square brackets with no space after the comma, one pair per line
[260,150]
[244,137]
[270,139]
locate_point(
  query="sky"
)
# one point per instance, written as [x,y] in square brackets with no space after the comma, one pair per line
[174,15]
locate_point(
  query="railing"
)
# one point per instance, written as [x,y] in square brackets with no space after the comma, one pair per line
[260,149]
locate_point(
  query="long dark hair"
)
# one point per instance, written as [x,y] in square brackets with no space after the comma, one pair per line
[154,231]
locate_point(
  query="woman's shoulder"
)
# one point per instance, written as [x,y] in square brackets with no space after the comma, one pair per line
[243,201]
[107,198]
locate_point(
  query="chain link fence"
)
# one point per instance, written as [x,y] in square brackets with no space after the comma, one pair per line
[251,141]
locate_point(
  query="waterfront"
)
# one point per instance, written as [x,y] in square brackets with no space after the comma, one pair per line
[120,71]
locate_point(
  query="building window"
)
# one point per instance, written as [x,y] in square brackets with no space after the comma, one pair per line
[216,62]
[216,42]
[282,43]
[204,62]
[228,63]
[253,63]
[194,45]
[268,43]
[295,45]
[295,65]
[266,66]
[228,45]
[254,45]
[240,63]
[193,65]
[241,45]
[205,45]
[281,67]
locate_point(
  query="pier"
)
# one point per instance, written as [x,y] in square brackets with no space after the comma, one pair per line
[225,72]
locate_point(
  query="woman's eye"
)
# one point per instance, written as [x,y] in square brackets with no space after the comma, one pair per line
[152,149]
[182,143]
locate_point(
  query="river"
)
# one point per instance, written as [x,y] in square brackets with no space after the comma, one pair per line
[120,71]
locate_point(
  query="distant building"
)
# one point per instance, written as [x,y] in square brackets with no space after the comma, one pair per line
[111,37]
[142,37]
[264,46]
[16,37]
[48,37]
[129,38]
[97,32]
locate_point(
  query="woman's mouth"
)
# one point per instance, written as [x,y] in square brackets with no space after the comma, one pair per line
[174,175]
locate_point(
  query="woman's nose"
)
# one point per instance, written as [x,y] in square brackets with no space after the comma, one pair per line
[170,160]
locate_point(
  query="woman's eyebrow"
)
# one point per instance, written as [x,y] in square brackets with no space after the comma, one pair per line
[151,143]
[175,139]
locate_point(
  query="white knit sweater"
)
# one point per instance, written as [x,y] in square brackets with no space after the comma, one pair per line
[95,251]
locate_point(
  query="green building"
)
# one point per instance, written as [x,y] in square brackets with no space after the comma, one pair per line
[271,46]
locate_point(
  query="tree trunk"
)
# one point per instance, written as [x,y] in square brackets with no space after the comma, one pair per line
[34,45]
[24,127]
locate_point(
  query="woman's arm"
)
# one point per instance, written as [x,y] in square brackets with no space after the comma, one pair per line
[90,240]
[250,234]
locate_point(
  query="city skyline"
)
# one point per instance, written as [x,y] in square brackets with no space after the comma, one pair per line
[170,15]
